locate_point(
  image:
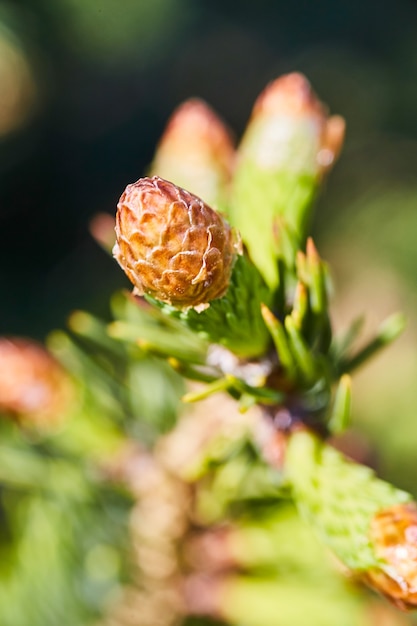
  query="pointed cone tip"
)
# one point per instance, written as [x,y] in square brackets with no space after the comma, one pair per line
[291,95]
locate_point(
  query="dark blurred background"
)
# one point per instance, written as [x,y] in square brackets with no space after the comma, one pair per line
[94,81]
[86,87]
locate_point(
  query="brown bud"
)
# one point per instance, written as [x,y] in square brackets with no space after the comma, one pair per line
[172,245]
[33,386]
[394,537]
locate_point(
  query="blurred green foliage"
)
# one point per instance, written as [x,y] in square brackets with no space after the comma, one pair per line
[111,33]
[108,75]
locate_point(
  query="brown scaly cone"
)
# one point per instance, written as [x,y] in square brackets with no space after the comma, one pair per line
[34,388]
[173,246]
[394,537]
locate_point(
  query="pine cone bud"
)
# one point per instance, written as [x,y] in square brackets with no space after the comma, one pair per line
[394,538]
[173,246]
[33,386]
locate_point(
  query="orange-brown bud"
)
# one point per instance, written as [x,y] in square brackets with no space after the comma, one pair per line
[196,152]
[172,245]
[291,98]
[394,538]
[33,386]
[290,95]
